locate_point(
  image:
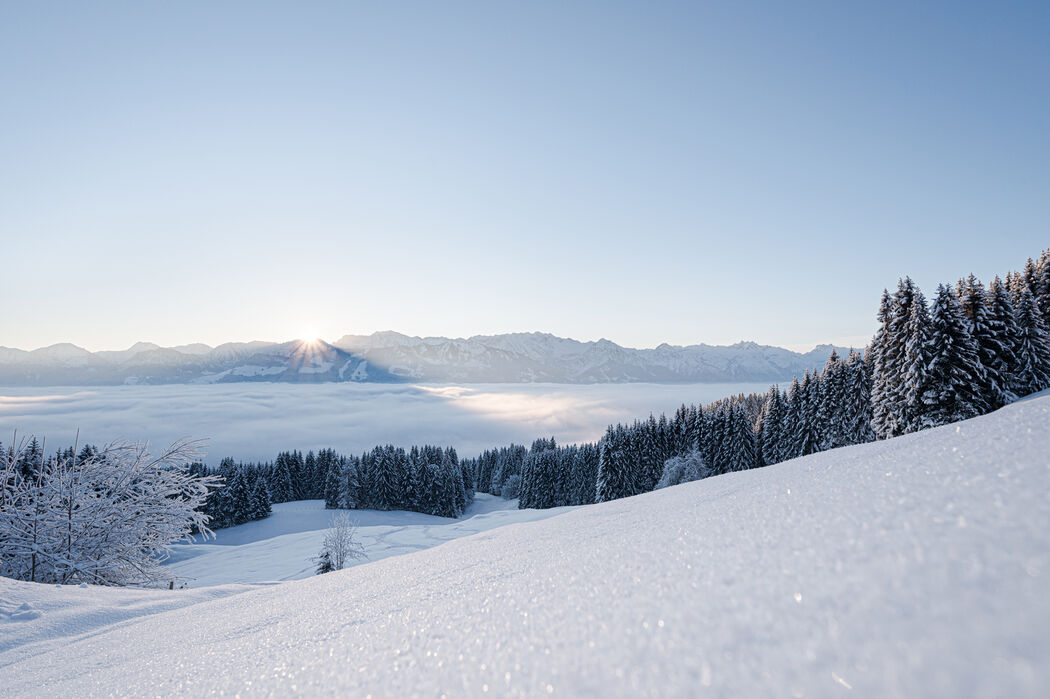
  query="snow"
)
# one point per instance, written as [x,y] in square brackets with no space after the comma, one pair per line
[255,370]
[282,546]
[317,367]
[34,624]
[911,567]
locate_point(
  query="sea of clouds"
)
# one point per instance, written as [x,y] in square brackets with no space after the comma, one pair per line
[254,421]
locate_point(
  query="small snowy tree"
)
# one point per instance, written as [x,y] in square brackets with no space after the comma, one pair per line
[682,469]
[107,517]
[511,487]
[340,543]
[324,563]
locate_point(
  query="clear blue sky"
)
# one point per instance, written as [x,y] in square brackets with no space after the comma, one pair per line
[641,171]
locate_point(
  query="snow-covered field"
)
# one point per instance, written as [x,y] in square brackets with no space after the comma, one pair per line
[912,567]
[255,421]
[281,546]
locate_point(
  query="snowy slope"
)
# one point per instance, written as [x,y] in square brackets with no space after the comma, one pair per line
[912,567]
[390,356]
[282,546]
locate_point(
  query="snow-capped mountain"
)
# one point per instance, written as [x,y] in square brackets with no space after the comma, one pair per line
[536,357]
[391,356]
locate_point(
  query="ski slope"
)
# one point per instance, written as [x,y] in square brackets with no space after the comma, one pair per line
[283,546]
[912,567]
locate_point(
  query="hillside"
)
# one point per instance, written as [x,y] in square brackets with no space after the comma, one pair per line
[911,567]
[390,356]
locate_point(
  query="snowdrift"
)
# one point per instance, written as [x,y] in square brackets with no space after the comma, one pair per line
[913,567]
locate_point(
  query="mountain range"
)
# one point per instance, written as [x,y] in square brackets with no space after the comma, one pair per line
[393,357]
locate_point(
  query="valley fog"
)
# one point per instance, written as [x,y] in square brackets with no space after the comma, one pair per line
[254,421]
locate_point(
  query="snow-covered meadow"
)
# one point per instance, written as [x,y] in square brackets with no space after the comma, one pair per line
[256,421]
[915,566]
[283,546]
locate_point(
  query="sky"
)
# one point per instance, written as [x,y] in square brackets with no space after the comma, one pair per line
[645,172]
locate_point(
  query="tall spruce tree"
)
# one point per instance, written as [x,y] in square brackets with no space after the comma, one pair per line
[772,412]
[905,334]
[955,377]
[281,488]
[830,406]
[808,430]
[992,350]
[332,483]
[1041,289]
[857,400]
[1033,346]
[790,441]
[615,479]
[1003,321]
[912,411]
[884,374]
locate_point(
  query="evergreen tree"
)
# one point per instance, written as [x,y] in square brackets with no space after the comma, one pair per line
[333,482]
[324,563]
[614,477]
[857,401]
[1033,346]
[991,345]
[383,486]
[790,443]
[955,376]
[1003,321]
[1041,288]
[741,453]
[904,343]
[770,430]
[260,498]
[350,495]
[808,431]
[830,404]
[914,409]
[281,489]
[310,482]
[884,373]
[454,495]
[587,464]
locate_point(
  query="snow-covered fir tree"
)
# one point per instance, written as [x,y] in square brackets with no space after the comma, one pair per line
[954,376]
[1033,346]
[993,346]
[913,408]
[884,372]
[770,429]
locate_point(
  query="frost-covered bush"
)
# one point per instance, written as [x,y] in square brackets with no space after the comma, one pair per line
[511,487]
[105,517]
[682,469]
[340,545]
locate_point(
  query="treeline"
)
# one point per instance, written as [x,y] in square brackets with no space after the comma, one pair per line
[545,475]
[972,350]
[425,479]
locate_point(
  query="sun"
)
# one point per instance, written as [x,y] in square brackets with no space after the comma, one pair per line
[309,336]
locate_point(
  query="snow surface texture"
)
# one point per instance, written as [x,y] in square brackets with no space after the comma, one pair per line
[912,567]
[255,422]
[393,357]
[282,546]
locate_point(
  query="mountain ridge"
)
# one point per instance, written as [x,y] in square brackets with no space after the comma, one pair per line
[389,356]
